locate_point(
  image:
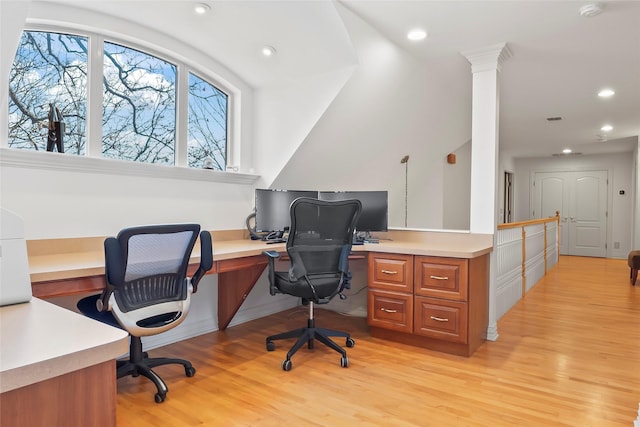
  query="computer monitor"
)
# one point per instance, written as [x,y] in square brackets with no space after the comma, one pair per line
[272,208]
[373,216]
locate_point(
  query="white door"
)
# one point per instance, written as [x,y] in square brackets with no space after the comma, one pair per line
[581,199]
[550,193]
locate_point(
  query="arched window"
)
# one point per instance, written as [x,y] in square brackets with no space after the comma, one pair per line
[48,103]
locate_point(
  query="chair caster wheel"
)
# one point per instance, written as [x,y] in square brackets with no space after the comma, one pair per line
[270,346]
[189,372]
[344,362]
[286,365]
[159,398]
[350,342]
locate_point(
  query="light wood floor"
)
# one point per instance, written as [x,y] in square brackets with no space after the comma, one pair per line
[568,355]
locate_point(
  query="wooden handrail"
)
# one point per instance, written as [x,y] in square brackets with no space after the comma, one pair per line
[530,222]
[522,225]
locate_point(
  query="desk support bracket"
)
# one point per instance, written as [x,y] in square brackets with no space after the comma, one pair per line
[236,278]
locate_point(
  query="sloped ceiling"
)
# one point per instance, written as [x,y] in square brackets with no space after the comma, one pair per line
[560,59]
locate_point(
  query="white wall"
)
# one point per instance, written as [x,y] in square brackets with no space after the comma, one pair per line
[66,201]
[285,114]
[71,203]
[391,106]
[620,207]
[456,194]
[60,201]
[359,120]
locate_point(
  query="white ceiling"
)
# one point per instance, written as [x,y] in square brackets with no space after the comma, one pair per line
[560,59]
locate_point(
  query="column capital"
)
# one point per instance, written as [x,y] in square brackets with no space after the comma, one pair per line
[487,58]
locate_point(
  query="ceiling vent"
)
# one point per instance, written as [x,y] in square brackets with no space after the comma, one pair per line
[554,119]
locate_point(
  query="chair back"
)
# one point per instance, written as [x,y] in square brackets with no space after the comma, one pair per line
[320,237]
[148,290]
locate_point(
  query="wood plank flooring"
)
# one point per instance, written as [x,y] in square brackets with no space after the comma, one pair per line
[568,354]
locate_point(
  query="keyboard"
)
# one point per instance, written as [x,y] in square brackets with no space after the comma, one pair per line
[274,241]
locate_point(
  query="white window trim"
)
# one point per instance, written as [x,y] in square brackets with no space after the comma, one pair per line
[27,159]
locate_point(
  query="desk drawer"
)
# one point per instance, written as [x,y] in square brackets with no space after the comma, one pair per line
[441,319]
[391,272]
[390,310]
[441,277]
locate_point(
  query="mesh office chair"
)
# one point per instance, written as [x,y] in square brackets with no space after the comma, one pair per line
[318,245]
[148,291]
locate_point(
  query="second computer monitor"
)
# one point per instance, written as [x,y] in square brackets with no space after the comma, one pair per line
[373,216]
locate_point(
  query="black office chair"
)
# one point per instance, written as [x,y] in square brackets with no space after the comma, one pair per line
[318,245]
[148,291]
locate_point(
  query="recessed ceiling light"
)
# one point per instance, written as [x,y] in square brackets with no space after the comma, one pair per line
[591,9]
[606,128]
[605,93]
[416,34]
[201,8]
[268,51]
[566,150]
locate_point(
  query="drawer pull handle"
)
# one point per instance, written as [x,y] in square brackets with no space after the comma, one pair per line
[389,272]
[386,310]
[439,319]
[439,277]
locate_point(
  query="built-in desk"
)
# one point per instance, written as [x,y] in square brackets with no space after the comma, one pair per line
[67,361]
[66,266]
[57,367]
[69,266]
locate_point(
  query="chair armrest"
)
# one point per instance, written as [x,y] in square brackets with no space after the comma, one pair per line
[272,255]
[206,259]
[114,260]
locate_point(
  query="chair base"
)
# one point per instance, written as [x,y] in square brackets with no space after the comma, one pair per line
[140,363]
[308,335]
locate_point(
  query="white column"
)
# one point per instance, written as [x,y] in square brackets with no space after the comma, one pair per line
[485,66]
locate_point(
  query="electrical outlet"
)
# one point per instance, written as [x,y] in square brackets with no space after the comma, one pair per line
[616,245]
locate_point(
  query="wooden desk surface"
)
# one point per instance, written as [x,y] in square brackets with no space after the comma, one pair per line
[59,259]
[40,340]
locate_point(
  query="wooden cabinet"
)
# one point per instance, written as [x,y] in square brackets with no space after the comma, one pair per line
[433,302]
[390,299]
[441,319]
[391,310]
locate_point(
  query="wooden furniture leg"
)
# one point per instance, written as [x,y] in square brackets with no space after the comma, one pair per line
[633,261]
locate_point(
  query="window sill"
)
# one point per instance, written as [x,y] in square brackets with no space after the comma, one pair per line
[10,157]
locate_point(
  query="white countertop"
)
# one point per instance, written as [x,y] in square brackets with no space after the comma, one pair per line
[39,340]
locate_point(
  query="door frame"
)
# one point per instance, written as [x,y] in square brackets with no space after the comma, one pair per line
[609,224]
[508,206]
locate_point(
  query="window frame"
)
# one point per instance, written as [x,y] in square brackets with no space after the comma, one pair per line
[92,160]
